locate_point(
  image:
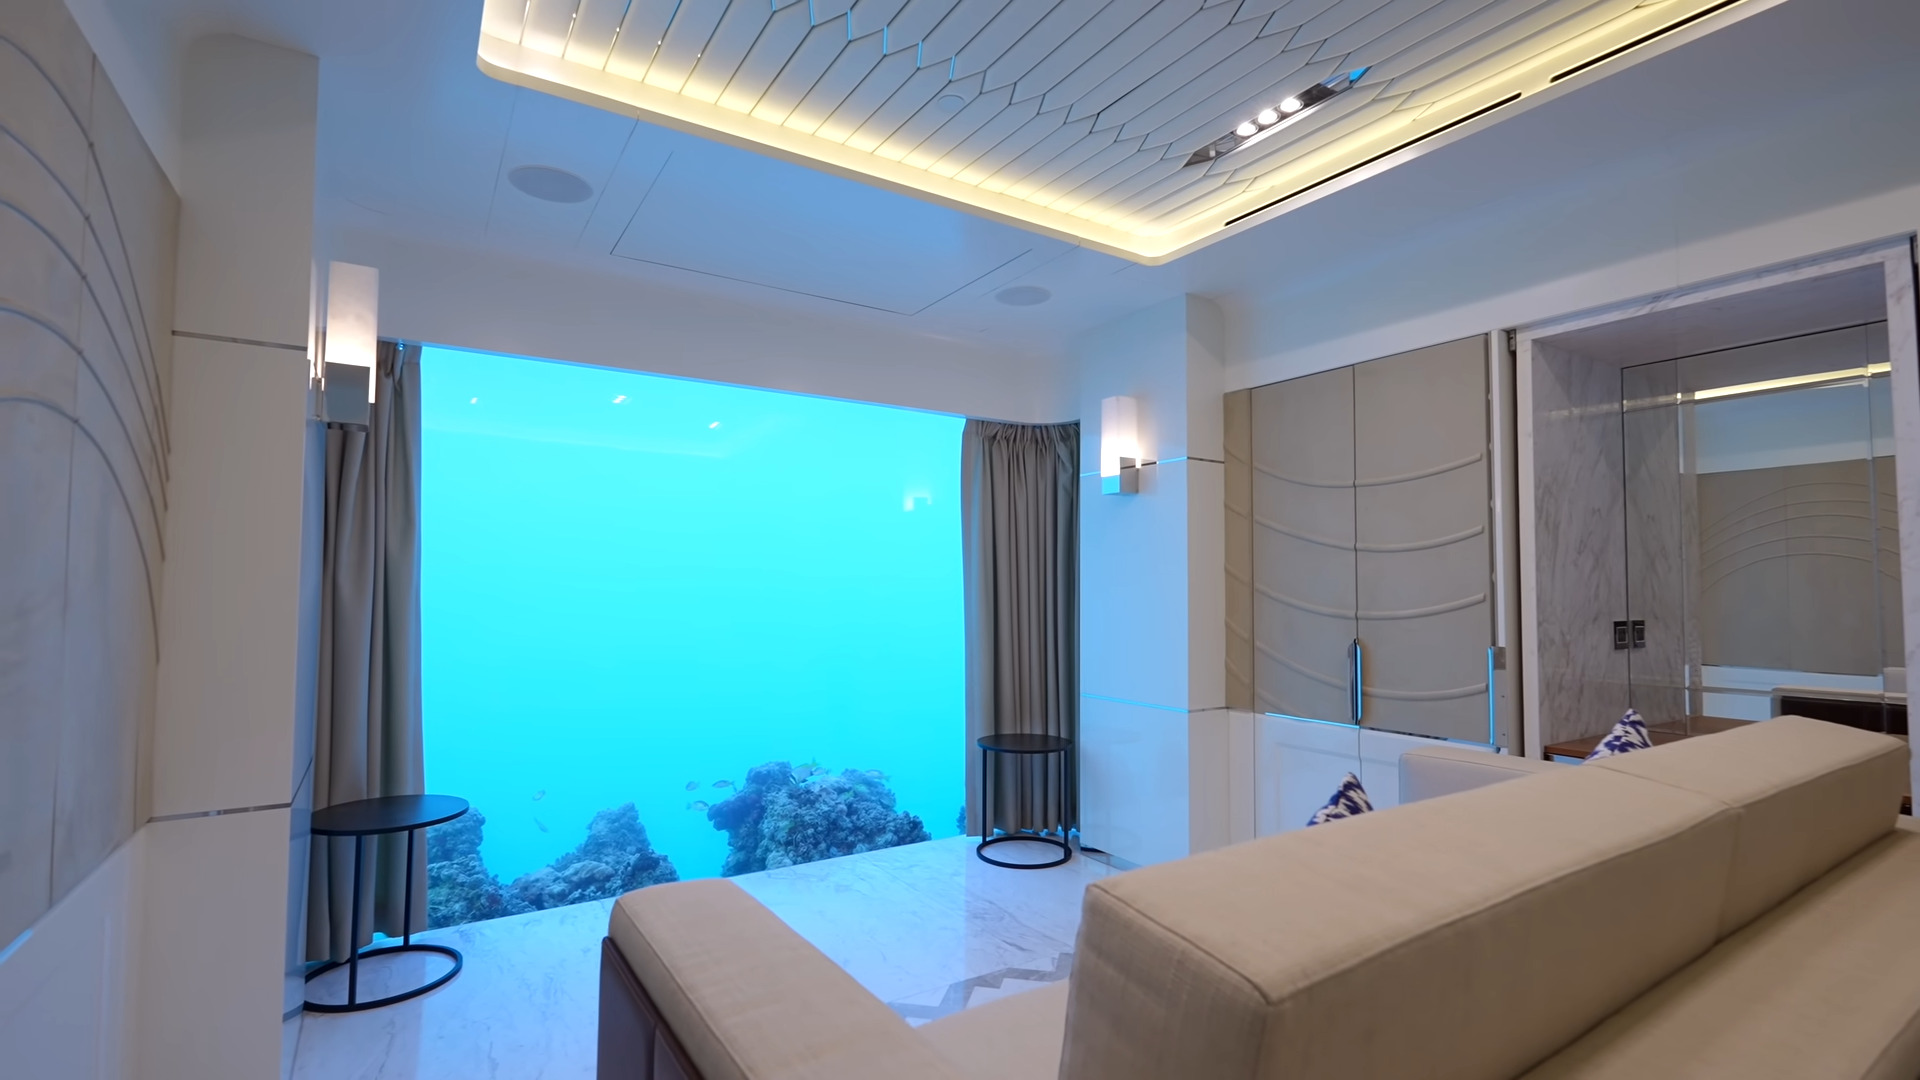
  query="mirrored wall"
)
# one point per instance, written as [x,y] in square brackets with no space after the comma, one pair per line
[1762,533]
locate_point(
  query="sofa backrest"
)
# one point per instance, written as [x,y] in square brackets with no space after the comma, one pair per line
[1808,795]
[1469,936]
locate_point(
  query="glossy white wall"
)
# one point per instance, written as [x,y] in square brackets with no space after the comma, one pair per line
[211,989]
[1154,728]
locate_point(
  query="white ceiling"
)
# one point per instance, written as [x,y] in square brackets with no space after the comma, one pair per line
[416,143]
[1076,117]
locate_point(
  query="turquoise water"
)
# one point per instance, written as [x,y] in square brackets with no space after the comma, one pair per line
[634,584]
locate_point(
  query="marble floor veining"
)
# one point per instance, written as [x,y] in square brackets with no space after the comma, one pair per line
[928,928]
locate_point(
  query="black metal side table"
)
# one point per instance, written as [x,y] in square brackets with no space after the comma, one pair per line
[1023,746]
[378,817]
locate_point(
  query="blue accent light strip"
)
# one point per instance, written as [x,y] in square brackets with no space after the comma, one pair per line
[1308,720]
[1127,701]
[14,947]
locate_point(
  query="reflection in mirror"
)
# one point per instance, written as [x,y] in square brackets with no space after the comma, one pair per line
[1762,523]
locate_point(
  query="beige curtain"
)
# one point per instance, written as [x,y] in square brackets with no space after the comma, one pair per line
[1020,502]
[367,731]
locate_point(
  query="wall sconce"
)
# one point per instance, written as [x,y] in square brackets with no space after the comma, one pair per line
[1119,446]
[352,335]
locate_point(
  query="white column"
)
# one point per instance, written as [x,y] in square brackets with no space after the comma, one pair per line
[1154,728]
[231,681]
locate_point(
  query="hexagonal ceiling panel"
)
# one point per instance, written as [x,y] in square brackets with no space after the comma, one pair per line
[1145,128]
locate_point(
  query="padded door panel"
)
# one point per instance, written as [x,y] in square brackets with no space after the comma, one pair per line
[1424,557]
[1303,559]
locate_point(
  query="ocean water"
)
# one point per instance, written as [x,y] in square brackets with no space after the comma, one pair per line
[635,585]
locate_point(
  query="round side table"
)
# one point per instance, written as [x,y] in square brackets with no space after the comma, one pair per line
[377,817]
[1024,746]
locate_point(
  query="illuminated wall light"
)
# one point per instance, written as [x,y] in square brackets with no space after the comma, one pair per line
[1119,446]
[1268,121]
[353,318]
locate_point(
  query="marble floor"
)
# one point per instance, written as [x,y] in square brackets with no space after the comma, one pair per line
[929,928]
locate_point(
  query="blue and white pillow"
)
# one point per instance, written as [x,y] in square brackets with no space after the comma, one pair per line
[1349,799]
[1628,735]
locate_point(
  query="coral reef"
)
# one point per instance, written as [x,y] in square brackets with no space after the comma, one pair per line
[782,816]
[615,858]
[459,887]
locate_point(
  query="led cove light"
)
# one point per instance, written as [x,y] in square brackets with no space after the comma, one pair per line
[1267,121]
[1763,385]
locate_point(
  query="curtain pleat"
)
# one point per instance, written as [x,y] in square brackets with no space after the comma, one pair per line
[367,731]
[1021,548]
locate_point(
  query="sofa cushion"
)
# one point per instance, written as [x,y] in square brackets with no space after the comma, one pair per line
[1429,772]
[1809,794]
[1458,930]
[1825,985]
[1016,1037]
[752,1000]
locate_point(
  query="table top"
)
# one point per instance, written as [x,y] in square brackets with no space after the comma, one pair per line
[393,813]
[1024,744]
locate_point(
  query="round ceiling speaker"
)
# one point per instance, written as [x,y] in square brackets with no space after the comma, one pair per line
[548,184]
[950,102]
[1023,295]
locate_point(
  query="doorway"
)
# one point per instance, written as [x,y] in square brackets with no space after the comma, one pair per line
[1712,501]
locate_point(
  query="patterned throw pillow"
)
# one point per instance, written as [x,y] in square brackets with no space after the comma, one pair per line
[1628,735]
[1349,799]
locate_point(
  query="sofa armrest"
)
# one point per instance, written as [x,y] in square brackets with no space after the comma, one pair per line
[749,999]
[1429,772]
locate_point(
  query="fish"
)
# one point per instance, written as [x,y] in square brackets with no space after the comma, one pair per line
[538,795]
[723,783]
[693,785]
[696,805]
[800,774]
[876,774]
[539,825]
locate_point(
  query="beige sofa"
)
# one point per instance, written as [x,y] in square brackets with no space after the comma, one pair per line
[1738,906]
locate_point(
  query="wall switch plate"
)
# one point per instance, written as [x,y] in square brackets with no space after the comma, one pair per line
[1621,637]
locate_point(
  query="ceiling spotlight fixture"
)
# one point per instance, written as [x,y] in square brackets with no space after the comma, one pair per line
[1268,121]
[950,102]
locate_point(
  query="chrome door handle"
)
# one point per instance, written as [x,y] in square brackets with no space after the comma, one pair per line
[1357,697]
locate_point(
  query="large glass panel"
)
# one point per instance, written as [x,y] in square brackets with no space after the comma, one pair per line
[1762,537]
[679,629]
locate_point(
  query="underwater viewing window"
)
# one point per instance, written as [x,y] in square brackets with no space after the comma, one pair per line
[675,629]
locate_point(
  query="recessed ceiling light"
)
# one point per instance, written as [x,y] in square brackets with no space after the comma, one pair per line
[1267,121]
[548,184]
[1023,295]
[950,102]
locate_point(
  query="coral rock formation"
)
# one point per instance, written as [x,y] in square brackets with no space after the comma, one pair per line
[615,858]
[777,820]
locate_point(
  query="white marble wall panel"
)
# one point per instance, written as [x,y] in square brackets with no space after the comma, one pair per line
[213,926]
[82,489]
[1135,780]
[1300,764]
[224,719]
[1579,547]
[1657,541]
[66,997]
